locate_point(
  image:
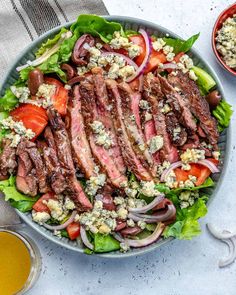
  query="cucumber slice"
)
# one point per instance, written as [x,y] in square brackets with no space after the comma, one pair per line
[204,81]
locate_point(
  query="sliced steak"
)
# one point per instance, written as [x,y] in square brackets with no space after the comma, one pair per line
[177,134]
[75,126]
[179,104]
[104,113]
[131,160]
[152,92]
[102,155]
[54,171]
[26,181]
[198,105]
[8,162]
[40,168]
[133,129]
[66,162]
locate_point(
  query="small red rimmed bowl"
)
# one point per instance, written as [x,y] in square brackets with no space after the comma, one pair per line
[228,12]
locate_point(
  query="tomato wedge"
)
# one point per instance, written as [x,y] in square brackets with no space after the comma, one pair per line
[73,230]
[198,170]
[155,59]
[39,206]
[33,117]
[60,97]
[178,56]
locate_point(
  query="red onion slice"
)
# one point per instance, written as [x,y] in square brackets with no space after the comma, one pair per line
[211,166]
[148,207]
[220,235]
[85,239]
[169,65]
[147,241]
[142,67]
[161,216]
[118,237]
[126,58]
[61,226]
[168,170]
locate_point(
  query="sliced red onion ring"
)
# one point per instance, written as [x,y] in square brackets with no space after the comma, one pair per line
[147,241]
[126,58]
[61,226]
[168,170]
[169,65]
[148,207]
[85,239]
[118,237]
[142,67]
[209,165]
[131,231]
[175,165]
[232,252]
[161,216]
[220,235]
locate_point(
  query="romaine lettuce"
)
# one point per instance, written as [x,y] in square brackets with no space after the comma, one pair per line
[105,243]
[181,45]
[17,200]
[8,101]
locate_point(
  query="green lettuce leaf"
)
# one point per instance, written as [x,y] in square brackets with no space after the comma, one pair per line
[223,113]
[17,200]
[105,243]
[96,26]
[208,183]
[50,42]
[181,45]
[186,226]
[8,101]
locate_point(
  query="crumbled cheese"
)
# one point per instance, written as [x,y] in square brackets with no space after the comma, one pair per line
[166,109]
[119,61]
[122,213]
[94,183]
[192,155]
[165,165]
[187,198]
[22,93]
[94,52]
[104,229]
[113,72]
[155,143]
[168,49]
[192,75]
[99,45]
[82,70]
[68,204]
[103,138]
[130,223]
[119,200]
[142,224]
[134,50]
[67,87]
[186,61]
[186,166]
[171,180]
[170,56]
[45,92]
[40,217]
[148,117]
[158,44]
[226,41]
[216,155]
[131,192]
[148,188]
[176,133]
[144,105]
[189,183]
[56,209]
[126,72]
[15,139]
[119,42]
[57,233]
[124,247]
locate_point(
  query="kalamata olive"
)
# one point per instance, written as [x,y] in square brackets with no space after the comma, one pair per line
[107,201]
[213,98]
[75,80]
[120,224]
[35,80]
[70,72]
[130,231]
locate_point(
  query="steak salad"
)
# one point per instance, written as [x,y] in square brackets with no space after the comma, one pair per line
[109,136]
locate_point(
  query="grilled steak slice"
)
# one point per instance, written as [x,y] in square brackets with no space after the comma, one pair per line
[75,126]
[179,104]
[37,161]
[152,92]
[177,134]
[133,130]
[102,155]
[129,156]
[7,159]
[103,109]
[54,171]
[66,162]
[26,181]
[198,105]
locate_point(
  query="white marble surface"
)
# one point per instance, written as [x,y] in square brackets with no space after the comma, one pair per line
[181,267]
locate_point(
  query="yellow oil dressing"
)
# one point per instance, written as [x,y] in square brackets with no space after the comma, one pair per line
[14,264]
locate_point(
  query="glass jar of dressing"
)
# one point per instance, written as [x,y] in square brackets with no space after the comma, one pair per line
[20,262]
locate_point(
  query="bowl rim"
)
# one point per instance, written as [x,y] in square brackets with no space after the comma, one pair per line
[152,26]
[213,42]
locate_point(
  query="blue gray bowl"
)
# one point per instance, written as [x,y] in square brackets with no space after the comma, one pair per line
[129,24]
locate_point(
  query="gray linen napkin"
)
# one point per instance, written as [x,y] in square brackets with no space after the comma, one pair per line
[22,21]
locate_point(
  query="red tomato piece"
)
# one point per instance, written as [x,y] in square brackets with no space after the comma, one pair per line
[178,56]
[138,40]
[73,230]
[33,117]
[39,206]
[198,170]
[60,97]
